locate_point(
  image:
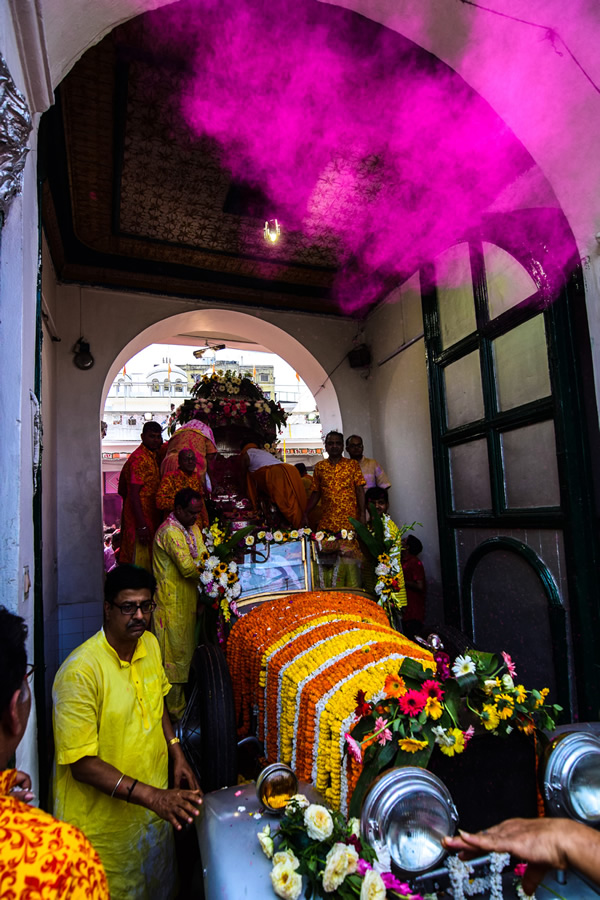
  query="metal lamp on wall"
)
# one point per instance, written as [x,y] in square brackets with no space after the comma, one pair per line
[82,358]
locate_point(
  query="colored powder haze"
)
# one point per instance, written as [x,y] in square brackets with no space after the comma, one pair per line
[345,126]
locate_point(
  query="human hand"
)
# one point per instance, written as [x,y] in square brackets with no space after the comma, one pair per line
[22,788]
[540,842]
[177,806]
[183,774]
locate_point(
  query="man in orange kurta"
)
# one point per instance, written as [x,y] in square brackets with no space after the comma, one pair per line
[138,483]
[39,856]
[277,480]
[339,484]
[186,476]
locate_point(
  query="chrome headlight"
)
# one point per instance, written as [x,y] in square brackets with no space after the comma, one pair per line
[572,777]
[409,810]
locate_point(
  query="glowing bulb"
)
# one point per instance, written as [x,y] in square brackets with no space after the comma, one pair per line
[272,231]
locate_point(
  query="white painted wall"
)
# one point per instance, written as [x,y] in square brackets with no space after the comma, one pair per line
[400,423]
[18,281]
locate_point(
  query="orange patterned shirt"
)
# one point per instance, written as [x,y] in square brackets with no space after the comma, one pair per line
[42,858]
[338,495]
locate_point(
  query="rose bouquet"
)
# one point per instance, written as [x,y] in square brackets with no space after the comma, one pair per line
[418,709]
[327,850]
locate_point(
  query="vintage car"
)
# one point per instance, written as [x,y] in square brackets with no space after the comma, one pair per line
[229,728]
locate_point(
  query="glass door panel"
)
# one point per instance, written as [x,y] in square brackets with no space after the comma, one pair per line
[521,359]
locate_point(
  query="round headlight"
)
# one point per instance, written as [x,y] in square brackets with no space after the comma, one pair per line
[274,787]
[572,777]
[409,810]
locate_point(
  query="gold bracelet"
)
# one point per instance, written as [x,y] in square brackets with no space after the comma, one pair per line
[174,740]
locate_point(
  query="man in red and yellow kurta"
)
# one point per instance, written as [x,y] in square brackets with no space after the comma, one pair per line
[40,857]
[186,476]
[339,484]
[138,483]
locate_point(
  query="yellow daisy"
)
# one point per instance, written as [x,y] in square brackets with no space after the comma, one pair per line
[411,745]
[459,742]
[489,716]
[505,706]
[433,708]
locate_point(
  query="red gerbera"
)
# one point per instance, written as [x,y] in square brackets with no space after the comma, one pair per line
[433,688]
[412,703]
[362,707]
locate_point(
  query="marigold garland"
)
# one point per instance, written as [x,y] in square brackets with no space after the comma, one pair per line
[296,665]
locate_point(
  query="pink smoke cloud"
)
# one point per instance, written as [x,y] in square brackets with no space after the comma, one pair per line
[346,127]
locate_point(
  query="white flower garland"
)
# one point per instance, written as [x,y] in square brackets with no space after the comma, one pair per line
[461,885]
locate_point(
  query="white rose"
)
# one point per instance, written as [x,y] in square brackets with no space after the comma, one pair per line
[336,868]
[300,800]
[288,856]
[318,821]
[354,827]
[286,881]
[352,859]
[372,887]
[507,683]
[266,841]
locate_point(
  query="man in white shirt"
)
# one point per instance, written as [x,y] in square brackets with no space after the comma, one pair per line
[372,471]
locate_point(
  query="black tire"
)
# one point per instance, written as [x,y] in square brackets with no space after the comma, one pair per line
[207,728]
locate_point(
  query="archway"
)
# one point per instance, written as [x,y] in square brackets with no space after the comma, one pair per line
[264,334]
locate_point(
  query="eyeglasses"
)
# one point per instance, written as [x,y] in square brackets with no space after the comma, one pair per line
[29,672]
[130,609]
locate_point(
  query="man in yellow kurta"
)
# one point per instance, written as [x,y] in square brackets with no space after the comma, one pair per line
[113,738]
[176,557]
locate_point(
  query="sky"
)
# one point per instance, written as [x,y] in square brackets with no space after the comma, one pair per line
[143,361]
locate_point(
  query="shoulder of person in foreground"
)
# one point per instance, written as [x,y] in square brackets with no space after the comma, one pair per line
[55,855]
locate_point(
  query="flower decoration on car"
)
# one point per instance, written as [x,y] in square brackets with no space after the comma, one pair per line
[324,848]
[219,578]
[418,709]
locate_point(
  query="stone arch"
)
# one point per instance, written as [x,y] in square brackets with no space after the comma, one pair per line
[269,336]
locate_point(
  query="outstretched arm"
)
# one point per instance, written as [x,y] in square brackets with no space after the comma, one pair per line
[543,843]
[175,806]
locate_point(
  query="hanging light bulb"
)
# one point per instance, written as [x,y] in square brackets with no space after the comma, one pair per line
[272,231]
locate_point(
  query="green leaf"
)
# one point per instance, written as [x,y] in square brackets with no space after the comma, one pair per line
[414,670]
[369,772]
[422,717]
[467,682]
[367,538]
[387,754]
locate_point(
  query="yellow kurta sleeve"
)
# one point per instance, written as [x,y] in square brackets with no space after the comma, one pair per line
[175,545]
[75,698]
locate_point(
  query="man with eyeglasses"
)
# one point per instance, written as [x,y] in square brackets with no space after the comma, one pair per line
[113,740]
[39,856]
